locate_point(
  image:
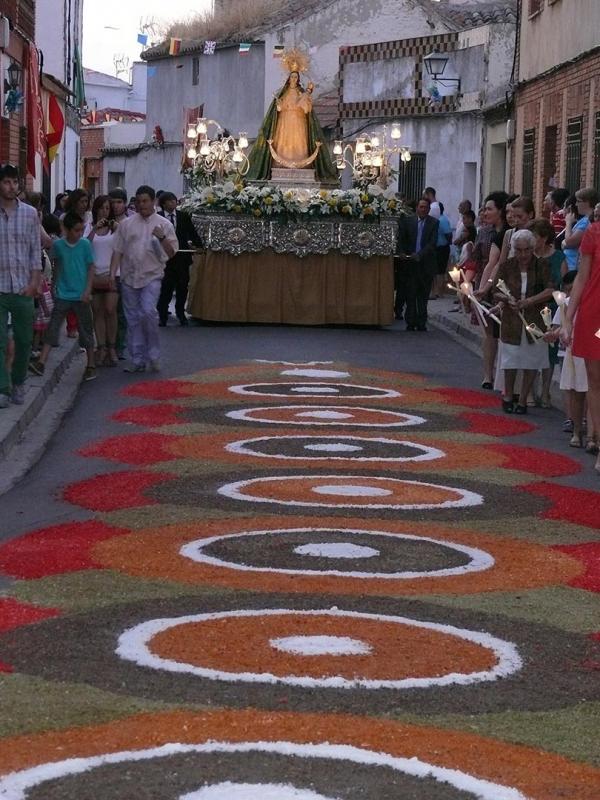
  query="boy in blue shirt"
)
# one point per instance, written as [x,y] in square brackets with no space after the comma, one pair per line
[74,272]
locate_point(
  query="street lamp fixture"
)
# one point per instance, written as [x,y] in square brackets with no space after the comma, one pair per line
[14,73]
[435,64]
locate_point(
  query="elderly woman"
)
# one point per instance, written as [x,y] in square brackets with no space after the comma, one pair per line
[529,282]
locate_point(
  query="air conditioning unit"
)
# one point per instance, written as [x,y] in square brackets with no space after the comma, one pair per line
[510,130]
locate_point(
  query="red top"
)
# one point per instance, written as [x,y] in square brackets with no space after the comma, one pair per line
[557,220]
[586,344]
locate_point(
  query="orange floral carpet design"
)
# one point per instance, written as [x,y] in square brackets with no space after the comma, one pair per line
[307,582]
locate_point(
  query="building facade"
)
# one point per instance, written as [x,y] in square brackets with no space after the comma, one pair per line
[557,102]
[18,30]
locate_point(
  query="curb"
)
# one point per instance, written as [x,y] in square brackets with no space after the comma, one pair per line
[25,430]
[457,327]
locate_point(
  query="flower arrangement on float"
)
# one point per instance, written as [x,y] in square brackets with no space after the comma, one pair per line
[367,203]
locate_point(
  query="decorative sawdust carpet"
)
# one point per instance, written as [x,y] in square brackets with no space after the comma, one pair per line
[310,582]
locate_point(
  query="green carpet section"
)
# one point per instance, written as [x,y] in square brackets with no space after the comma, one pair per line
[31,704]
[81,591]
[571,732]
[570,610]
[535,529]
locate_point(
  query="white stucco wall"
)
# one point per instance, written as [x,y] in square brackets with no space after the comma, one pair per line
[157,167]
[559,33]
[452,144]
[346,22]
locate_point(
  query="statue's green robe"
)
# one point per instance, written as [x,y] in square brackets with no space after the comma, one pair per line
[260,155]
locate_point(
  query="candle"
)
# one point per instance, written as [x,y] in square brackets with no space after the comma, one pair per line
[560,298]
[547,317]
[455,274]
[534,331]
[597,333]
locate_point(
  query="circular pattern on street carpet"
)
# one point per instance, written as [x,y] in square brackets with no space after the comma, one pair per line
[285,544]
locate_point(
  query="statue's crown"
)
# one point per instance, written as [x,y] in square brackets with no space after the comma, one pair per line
[295,60]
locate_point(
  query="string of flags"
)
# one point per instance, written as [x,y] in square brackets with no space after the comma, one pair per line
[209,48]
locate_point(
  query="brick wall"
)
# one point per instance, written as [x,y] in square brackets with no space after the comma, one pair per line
[572,91]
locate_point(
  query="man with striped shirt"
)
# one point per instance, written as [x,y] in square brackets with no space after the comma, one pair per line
[20,272]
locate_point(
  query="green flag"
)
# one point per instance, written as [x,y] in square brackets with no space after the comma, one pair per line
[78,81]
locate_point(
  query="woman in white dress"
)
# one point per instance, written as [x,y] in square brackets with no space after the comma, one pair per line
[528,279]
[104,295]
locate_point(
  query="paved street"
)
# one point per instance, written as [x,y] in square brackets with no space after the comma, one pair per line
[435,355]
[347,578]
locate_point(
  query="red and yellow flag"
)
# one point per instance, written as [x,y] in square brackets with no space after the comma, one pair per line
[56,127]
[174,46]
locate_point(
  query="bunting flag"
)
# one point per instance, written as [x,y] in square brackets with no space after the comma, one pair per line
[78,79]
[209,48]
[244,48]
[56,127]
[174,46]
[278,50]
[36,134]
[142,39]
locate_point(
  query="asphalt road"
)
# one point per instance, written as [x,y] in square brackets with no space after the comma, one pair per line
[35,502]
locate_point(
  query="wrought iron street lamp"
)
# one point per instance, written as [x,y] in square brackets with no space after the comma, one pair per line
[435,65]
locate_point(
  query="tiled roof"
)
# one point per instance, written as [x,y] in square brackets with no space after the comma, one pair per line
[472,15]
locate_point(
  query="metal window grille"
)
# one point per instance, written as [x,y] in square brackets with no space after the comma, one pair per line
[535,6]
[195,71]
[411,178]
[597,153]
[550,153]
[574,142]
[528,161]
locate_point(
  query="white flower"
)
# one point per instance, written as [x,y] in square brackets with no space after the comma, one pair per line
[374,190]
[228,187]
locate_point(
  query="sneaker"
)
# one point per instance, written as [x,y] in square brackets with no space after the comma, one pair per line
[89,374]
[18,394]
[155,366]
[37,367]
[135,368]
[4,401]
[568,426]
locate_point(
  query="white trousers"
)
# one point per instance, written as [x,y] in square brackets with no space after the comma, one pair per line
[142,321]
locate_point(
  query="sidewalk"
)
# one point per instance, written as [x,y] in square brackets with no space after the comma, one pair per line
[25,430]
[459,327]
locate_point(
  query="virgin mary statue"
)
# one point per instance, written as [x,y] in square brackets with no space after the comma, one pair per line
[290,136]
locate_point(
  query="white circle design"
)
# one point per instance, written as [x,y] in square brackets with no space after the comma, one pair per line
[15,785]
[247,388]
[315,390]
[134,646]
[348,490]
[479,559]
[291,363]
[327,415]
[336,550]
[321,646]
[323,415]
[235,491]
[334,447]
[253,791]
[314,373]
[243,447]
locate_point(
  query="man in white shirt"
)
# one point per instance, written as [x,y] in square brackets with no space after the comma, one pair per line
[434,206]
[149,241]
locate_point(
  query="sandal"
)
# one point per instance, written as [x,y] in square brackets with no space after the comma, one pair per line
[487,385]
[519,409]
[576,440]
[111,359]
[100,355]
[508,406]
[591,447]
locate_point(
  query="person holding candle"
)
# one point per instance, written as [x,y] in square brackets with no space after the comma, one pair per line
[582,329]
[544,234]
[495,218]
[527,279]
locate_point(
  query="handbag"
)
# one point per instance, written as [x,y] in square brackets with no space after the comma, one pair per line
[101,283]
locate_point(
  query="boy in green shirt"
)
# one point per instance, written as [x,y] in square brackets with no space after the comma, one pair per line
[74,261]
